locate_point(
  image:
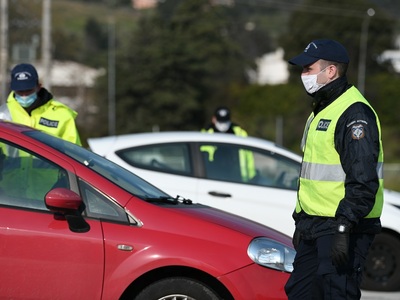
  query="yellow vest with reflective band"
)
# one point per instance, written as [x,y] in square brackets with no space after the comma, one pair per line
[53,117]
[322,177]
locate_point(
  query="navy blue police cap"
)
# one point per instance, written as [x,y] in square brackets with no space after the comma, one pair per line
[325,49]
[24,77]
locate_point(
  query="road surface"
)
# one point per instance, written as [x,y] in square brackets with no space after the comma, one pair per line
[369,295]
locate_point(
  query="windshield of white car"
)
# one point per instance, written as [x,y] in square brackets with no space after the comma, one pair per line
[116,174]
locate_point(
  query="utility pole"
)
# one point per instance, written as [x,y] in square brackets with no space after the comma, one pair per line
[3,49]
[111,69]
[111,76]
[363,50]
[279,130]
[46,44]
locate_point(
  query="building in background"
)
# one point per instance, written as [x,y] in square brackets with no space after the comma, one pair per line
[272,69]
[143,4]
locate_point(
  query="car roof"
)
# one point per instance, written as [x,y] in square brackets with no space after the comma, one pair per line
[105,145]
[15,127]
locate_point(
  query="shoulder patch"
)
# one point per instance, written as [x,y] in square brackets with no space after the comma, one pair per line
[357,131]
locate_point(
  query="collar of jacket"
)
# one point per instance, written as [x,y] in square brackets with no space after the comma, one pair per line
[43,96]
[329,93]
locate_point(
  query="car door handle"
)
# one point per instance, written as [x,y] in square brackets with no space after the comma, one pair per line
[218,194]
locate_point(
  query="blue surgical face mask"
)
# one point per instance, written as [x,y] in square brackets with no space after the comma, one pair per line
[26,101]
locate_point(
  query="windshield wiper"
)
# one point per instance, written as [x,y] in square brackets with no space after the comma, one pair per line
[162,199]
[168,200]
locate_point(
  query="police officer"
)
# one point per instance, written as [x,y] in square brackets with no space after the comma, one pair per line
[22,175]
[340,193]
[221,122]
[31,104]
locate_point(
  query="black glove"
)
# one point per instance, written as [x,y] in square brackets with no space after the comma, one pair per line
[296,239]
[340,246]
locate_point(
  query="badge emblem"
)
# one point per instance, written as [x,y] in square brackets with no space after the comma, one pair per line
[357,131]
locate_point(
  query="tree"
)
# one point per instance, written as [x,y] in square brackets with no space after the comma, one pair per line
[95,43]
[340,20]
[176,68]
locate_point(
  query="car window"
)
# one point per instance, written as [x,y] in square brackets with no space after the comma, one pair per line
[109,170]
[25,178]
[249,165]
[99,206]
[170,158]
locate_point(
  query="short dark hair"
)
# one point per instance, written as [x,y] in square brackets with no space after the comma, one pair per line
[341,67]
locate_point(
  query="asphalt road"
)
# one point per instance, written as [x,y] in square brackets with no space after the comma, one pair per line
[368,295]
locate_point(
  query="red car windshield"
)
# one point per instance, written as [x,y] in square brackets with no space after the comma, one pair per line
[116,174]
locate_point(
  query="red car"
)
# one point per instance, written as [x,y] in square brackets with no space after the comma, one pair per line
[74,225]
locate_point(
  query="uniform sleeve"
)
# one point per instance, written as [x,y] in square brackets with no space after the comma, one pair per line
[71,132]
[357,142]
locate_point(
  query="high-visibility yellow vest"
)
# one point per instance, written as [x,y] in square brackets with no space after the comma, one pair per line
[322,177]
[23,175]
[52,117]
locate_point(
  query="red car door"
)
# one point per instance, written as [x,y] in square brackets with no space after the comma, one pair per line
[41,258]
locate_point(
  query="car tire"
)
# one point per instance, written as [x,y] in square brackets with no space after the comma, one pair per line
[382,268]
[177,288]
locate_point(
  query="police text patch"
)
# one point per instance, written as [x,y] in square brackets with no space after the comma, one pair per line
[323,125]
[48,123]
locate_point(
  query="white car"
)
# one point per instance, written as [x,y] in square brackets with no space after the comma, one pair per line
[214,169]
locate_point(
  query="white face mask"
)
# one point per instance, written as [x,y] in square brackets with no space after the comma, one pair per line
[310,82]
[222,126]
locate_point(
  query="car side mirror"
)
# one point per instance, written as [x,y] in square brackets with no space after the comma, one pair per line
[69,205]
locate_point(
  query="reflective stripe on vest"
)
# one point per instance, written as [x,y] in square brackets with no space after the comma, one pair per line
[322,177]
[324,172]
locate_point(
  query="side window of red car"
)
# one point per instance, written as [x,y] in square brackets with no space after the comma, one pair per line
[98,206]
[25,178]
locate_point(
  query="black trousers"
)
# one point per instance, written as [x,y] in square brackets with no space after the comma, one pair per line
[315,277]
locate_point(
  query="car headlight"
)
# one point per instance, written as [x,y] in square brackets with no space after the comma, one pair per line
[271,254]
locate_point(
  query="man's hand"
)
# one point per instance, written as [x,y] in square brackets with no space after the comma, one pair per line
[340,246]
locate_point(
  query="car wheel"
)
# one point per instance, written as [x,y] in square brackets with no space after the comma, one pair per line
[177,288]
[382,268]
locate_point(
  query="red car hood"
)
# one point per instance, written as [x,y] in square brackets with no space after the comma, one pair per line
[203,215]
[238,223]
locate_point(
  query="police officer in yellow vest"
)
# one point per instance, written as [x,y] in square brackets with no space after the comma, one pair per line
[31,104]
[340,193]
[221,123]
[34,106]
